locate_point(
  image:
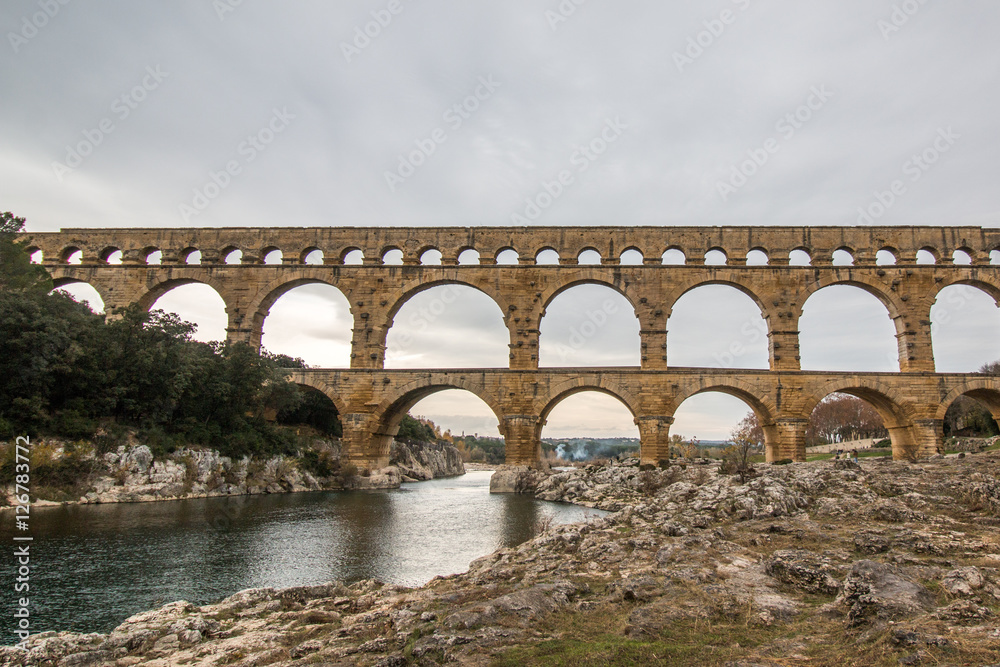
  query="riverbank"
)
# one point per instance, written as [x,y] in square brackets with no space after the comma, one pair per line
[132,474]
[822,563]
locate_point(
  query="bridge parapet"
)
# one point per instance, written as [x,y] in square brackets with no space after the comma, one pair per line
[295,243]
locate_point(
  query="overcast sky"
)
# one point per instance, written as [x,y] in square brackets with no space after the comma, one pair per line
[119,113]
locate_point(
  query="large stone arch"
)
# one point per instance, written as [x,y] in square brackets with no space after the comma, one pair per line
[985,390]
[747,288]
[309,380]
[762,404]
[396,300]
[768,313]
[910,435]
[894,409]
[563,390]
[879,290]
[100,288]
[260,306]
[984,283]
[910,328]
[148,297]
[943,339]
[383,423]
[582,277]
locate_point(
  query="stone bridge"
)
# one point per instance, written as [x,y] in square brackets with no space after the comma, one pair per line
[251,268]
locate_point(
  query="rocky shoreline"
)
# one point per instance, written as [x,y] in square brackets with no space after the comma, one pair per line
[131,475]
[823,563]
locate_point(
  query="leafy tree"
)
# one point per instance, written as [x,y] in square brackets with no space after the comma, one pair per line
[149,360]
[48,363]
[421,430]
[315,410]
[841,417]
[17,273]
[748,432]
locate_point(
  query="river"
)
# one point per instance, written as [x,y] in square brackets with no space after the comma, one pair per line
[95,565]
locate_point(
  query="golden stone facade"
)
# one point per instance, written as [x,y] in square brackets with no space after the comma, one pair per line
[372,400]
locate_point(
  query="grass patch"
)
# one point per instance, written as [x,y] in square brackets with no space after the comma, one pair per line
[603,650]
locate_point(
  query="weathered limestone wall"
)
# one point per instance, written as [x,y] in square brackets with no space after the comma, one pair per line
[372,400]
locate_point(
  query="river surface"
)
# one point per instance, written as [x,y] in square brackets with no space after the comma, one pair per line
[95,565]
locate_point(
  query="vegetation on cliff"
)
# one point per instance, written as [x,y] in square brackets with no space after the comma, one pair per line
[71,373]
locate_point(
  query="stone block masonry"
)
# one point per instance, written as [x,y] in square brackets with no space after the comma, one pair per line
[372,400]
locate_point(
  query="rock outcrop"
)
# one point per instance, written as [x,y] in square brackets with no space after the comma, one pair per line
[694,567]
[133,474]
[411,462]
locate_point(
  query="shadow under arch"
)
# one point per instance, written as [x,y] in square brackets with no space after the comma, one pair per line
[312,382]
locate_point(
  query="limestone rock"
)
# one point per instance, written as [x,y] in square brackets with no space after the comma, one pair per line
[879,591]
[804,570]
[515,479]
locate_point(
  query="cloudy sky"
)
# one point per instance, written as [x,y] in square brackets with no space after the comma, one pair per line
[447,113]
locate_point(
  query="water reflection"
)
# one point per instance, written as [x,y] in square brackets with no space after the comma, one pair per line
[95,565]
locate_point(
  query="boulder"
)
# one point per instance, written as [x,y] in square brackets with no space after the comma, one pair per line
[964,581]
[879,591]
[803,570]
[515,479]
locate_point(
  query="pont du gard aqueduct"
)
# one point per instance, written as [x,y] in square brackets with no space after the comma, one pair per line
[372,400]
